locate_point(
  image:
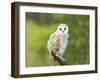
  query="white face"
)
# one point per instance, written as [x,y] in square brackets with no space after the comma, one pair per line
[62,29]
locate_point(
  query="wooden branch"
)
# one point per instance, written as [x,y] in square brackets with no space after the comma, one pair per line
[59,59]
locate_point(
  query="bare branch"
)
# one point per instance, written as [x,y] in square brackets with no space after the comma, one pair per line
[59,59]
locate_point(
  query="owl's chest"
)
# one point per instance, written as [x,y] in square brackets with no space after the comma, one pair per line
[63,42]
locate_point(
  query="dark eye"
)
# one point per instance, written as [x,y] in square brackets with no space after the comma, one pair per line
[64,28]
[60,29]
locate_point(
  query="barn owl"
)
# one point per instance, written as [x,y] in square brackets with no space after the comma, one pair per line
[58,40]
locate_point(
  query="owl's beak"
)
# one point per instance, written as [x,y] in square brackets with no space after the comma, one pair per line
[62,31]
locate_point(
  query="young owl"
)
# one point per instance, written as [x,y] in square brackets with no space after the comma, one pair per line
[58,40]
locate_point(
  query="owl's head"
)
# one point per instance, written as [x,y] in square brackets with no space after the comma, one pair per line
[62,29]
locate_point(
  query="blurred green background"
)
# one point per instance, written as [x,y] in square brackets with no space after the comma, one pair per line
[39,27]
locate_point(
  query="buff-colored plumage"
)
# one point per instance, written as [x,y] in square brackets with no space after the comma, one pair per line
[58,40]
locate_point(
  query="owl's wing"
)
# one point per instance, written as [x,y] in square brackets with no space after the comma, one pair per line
[51,42]
[52,36]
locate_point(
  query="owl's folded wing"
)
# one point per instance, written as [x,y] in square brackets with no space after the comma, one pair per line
[51,42]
